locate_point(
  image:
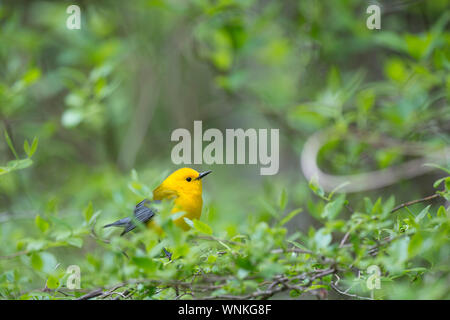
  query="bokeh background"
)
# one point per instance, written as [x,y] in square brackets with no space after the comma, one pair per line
[104,100]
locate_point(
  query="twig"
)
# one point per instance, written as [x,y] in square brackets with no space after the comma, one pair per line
[345,293]
[410,203]
[14,255]
[92,294]
[344,239]
[211,238]
[367,180]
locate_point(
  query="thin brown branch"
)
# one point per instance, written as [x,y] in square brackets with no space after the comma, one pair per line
[335,287]
[410,203]
[14,255]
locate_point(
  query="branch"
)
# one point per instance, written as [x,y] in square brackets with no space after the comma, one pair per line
[348,294]
[410,203]
[370,180]
[14,255]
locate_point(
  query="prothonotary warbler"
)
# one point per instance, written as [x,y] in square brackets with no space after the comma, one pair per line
[184,186]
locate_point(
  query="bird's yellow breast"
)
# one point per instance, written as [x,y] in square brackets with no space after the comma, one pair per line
[192,206]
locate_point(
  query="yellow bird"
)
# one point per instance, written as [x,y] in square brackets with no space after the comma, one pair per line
[184,186]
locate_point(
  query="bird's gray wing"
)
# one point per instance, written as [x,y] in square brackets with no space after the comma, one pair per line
[142,214]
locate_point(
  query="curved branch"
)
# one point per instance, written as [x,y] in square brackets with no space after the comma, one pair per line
[363,181]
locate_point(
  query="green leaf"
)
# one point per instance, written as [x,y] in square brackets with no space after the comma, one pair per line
[202,227]
[316,286]
[377,208]
[76,242]
[388,206]
[36,261]
[94,217]
[422,213]
[88,212]
[212,258]
[36,245]
[316,188]
[41,223]
[10,144]
[283,199]
[415,245]
[368,205]
[441,212]
[52,282]
[144,262]
[289,216]
[31,76]
[438,182]
[336,189]
[189,222]
[19,164]
[26,147]
[3,170]
[31,150]
[333,208]
[294,293]
[298,245]
[322,239]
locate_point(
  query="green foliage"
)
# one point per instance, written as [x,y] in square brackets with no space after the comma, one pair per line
[88,106]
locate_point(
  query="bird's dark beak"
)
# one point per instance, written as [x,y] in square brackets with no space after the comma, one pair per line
[203,174]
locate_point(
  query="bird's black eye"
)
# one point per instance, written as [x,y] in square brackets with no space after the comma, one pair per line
[188,179]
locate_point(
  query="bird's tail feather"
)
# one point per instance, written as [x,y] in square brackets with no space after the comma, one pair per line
[119,223]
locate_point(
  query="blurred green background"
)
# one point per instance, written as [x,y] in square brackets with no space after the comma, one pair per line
[105,99]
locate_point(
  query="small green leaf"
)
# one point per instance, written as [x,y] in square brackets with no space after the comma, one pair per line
[52,282]
[144,262]
[36,261]
[316,286]
[31,150]
[441,212]
[41,223]
[414,245]
[368,205]
[438,182]
[298,245]
[202,227]
[76,242]
[26,147]
[283,199]
[422,213]
[88,212]
[377,208]
[333,208]
[36,245]
[19,164]
[316,188]
[189,222]
[10,144]
[294,293]
[289,216]
[322,239]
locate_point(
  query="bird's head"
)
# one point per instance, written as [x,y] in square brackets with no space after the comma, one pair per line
[184,181]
